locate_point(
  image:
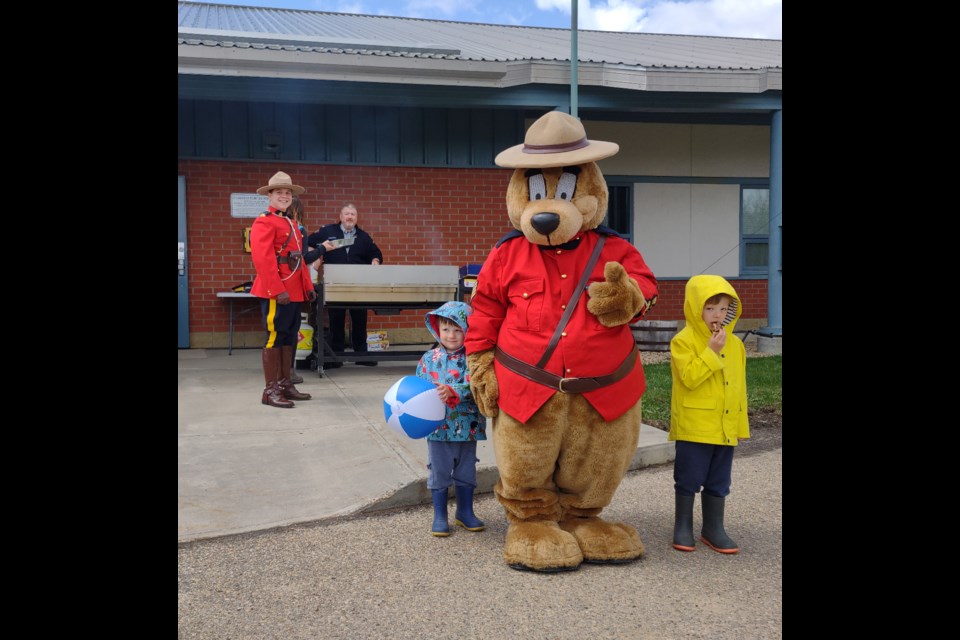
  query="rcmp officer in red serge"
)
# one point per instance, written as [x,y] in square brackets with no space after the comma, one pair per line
[282,280]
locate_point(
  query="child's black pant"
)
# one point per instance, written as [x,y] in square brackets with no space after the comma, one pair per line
[702,465]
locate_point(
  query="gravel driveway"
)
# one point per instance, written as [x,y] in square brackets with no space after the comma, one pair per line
[385,576]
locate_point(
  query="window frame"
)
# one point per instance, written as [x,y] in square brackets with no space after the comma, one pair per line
[628,186]
[747,239]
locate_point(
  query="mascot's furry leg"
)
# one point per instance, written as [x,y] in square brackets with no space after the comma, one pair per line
[557,472]
[594,457]
[526,459]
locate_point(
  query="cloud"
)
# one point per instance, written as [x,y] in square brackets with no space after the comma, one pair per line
[732,18]
[446,8]
[616,15]
[343,7]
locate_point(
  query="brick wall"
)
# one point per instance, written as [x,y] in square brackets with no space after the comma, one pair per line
[753,296]
[417,216]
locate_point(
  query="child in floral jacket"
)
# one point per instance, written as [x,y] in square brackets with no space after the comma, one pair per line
[452,448]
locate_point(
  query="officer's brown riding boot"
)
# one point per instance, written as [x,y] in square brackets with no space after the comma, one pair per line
[295,377]
[273,392]
[289,391]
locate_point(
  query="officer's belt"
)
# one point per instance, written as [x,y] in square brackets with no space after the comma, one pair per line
[292,260]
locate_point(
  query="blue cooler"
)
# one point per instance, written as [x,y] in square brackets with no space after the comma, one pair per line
[468,280]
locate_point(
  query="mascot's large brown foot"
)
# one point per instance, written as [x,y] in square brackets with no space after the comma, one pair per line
[603,542]
[541,546]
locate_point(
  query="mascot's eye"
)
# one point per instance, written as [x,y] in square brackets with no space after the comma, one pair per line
[566,186]
[537,187]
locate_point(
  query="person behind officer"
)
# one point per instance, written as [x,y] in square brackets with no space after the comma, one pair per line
[363,251]
[276,245]
[295,212]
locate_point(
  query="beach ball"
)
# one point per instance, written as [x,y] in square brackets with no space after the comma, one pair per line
[412,408]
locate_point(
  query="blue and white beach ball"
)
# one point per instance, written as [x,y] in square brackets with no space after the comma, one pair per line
[412,407]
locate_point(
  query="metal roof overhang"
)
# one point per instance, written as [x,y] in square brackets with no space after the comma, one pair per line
[347,67]
[535,97]
[210,59]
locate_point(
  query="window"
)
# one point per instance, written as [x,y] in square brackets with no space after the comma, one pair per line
[620,209]
[754,230]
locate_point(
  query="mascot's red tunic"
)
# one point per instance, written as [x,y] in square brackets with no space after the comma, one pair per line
[522,291]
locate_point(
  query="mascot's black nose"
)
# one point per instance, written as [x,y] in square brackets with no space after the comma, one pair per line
[545,223]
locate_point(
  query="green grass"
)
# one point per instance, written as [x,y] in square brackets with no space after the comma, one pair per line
[764,388]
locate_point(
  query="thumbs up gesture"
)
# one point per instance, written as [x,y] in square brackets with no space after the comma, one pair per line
[617,299]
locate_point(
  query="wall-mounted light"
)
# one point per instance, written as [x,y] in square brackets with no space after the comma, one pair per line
[271,142]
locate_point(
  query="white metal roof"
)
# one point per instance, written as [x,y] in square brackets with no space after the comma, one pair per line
[293,43]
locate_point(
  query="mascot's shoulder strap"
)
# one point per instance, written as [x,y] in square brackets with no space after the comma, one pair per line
[510,236]
[607,231]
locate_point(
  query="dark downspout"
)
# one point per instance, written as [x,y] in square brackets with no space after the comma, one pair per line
[775,278]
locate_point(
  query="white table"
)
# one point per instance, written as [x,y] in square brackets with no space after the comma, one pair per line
[231,296]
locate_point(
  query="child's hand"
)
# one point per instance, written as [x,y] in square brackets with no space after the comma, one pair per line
[719,337]
[444,392]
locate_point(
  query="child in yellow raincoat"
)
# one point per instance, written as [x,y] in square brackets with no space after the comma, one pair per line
[708,408]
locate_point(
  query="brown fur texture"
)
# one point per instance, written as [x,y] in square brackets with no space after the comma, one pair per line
[603,542]
[616,301]
[585,211]
[483,382]
[560,469]
[541,546]
[564,466]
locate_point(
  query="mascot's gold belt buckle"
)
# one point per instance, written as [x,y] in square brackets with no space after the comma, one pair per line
[562,380]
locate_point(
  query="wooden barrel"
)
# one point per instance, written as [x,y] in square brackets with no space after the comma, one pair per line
[654,335]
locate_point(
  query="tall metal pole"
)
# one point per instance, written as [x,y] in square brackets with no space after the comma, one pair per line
[574,58]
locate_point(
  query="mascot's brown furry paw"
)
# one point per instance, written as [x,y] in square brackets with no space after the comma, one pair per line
[603,542]
[607,298]
[483,382]
[541,546]
[555,365]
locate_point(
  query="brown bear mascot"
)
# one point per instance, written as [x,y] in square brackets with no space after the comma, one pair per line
[559,372]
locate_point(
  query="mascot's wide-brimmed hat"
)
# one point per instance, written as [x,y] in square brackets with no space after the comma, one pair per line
[280,180]
[555,140]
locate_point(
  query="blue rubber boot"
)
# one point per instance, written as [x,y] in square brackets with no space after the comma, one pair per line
[440,526]
[464,516]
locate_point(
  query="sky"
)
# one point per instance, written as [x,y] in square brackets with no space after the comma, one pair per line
[731,18]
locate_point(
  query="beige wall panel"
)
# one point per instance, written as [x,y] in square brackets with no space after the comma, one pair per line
[683,229]
[661,227]
[715,230]
[649,149]
[731,151]
[646,149]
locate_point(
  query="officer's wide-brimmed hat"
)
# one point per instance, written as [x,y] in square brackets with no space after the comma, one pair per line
[555,140]
[280,180]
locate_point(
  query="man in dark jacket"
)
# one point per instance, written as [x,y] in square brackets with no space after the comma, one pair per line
[363,251]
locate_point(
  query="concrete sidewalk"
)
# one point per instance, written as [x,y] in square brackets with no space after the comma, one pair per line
[243,466]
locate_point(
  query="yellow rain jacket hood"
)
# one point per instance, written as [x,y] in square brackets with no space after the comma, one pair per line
[709,396]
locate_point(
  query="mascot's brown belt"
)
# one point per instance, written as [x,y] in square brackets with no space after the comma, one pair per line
[565,385]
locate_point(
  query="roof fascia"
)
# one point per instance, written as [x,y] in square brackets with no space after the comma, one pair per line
[534,97]
[294,63]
